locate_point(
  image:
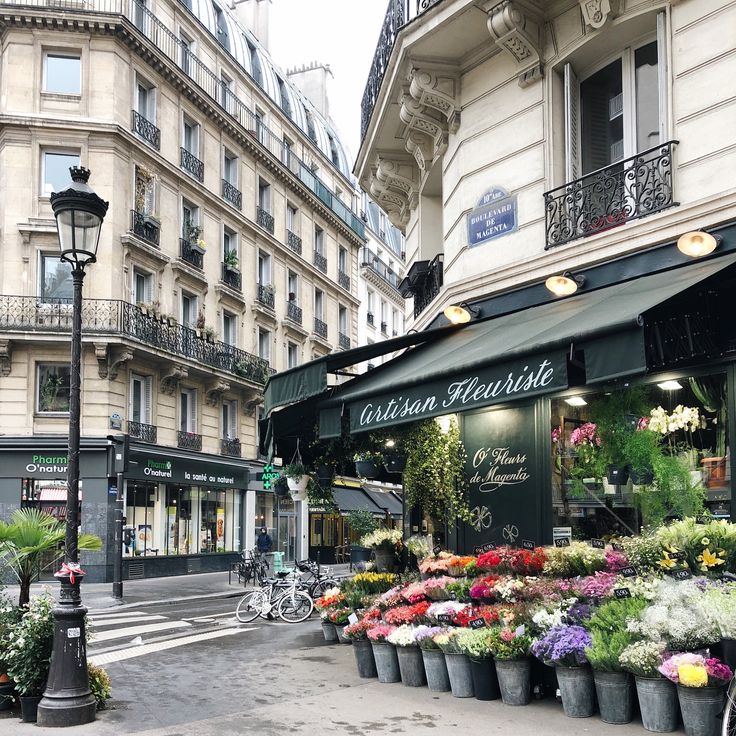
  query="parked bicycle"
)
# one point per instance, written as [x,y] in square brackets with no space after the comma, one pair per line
[283,595]
[319,579]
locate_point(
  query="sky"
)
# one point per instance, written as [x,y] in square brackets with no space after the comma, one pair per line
[341,33]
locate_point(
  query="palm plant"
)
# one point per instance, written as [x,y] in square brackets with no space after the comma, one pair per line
[30,536]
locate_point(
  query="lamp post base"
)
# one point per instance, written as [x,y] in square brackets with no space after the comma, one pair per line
[68,701]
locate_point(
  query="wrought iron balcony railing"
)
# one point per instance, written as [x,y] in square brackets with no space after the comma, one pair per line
[145,227]
[232,277]
[189,441]
[114,317]
[384,328]
[146,130]
[265,296]
[344,280]
[293,312]
[230,446]
[143,432]
[427,288]
[343,341]
[320,328]
[264,219]
[369,317]
[294,242]
[232,194]
[625,191]
[191,164]
[191,253]
[320,261]
[369,259]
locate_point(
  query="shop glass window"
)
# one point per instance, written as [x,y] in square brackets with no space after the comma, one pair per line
[141,531]
[212,520]
[48,495]
[266,514]
[55,174]
[52,388]
[55,279]
[180,525]
[63,74]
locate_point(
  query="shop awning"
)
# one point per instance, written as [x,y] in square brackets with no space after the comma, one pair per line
[354,499]
[386,500]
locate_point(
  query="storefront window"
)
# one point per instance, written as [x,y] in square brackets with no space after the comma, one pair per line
[266,514]
[140,530]
[179,524]
[212,523]
[48,496]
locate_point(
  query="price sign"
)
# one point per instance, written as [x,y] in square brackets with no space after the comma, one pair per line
[622,593]
[353,618]
[487,547]
[527,544]
[628,572]
[444,618]
[477,623]
[563,542]
[453,595]
[679,574]
[437,549]
[597,544]
[617,547]
[679,556]
[702,520]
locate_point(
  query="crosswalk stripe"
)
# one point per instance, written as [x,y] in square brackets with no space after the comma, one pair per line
[210,615]
[135,630]
[139,651]
[113,621]
[115,614]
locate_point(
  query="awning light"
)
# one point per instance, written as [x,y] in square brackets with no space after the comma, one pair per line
[670,385]
[460,314]
[576,401]
[698,243]
[565,284]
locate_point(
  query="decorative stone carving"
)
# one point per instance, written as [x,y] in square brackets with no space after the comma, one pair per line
[122,356]
[6,354]
[417,117]
[170,380]
[394,186]
[437,90]
[101,355]
[250,405]
[108,362]
[213,393]
[596,13]
[518,32]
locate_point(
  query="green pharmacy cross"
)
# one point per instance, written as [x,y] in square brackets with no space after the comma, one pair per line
[270,475]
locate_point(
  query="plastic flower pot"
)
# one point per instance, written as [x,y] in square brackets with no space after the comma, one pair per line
[461,677]
[367,469]
[298,484]
[329,631]
[701,708]
[660,710]
[614,691]
[617,475]
[485,680]
[514,680]
[29,707]
[340,629]
[577,690]
[436,670]
[364,658]
[411,666]
[387,663]
[7,695]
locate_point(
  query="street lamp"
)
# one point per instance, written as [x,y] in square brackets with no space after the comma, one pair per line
[68,701]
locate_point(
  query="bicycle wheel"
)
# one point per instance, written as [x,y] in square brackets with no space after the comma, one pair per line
[250,606]
[729,712]
[320,587]
[296,607]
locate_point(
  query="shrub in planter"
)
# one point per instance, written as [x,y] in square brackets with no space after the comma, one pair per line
[296,476]
[367,464]
[511,648]
[99,684]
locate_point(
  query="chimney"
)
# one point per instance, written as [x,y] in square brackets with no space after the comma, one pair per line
[313,80]
[254,15]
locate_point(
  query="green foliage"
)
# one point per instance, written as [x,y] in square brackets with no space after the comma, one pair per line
[99,684]
[642,449]
[231,259]
[361,522]
[508,644]
[605,650]
[475,643]
[616,416]
[608,630]
[294,470]
[614,615]
[461,589]
[320,497]
[336,453]
[10,616]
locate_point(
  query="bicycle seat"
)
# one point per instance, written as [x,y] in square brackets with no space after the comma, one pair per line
[283,574]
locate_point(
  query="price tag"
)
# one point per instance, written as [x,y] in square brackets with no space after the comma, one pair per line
[679,574]
[477,623]
[437,549]
[597,544]
[527,544]
[679,556]
[353,618]
[628,572]
[481,548]
[702,520]
[617,547]
[444,618]
[453,595]
[564,542]
[622,593]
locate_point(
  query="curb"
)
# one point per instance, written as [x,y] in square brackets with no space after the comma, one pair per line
[94,605]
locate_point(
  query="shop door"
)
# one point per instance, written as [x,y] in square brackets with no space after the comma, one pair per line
[287,536]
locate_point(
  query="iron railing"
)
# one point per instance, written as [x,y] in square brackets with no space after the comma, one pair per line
[143,432]
[144,227]
[232,194]
[230,447]
[344,280]
[294,242]
[232,277]
[265,295]
[320,328]
[320,261]
[369,317]
[293,312]
[384,328]
[190,254]
[371,260]
[192,165]
[189,440]
[264,219]
[635,187]
[426,290]
[343,341]
[146,130]
[115,317]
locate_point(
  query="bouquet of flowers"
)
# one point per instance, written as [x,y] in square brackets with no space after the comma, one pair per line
[340,616]
[434,565]
[694,670]
[563,645]
[445,608]
[483,588]
[414,592]
[494,560]
[424,636]
[615,559]
[577,559]
[403,636]
[406,614]
[436,588]
[447,641]
[526,562]
[475,643]
[386,539]
[459,590]
[372,583]
[508,589]
[643,658]
[380,633]
[360,629]
[457,564]
[508,643]
[682,417]
[331,599]
[598,585]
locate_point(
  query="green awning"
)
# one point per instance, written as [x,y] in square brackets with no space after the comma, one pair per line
[354,499]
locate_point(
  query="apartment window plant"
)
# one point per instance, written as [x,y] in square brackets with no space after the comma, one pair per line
[231,261]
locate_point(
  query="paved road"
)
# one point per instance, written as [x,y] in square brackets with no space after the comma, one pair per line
[191,669]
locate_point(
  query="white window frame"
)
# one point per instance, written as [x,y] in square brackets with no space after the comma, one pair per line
[292,218]
[187,48]
[319,239]
[55,152]
[230,338]
[187,121]
[194,299]
[188,424]
[264,186]
[70,54]
[148,285]
[228,155]
[150,113]
[146,409]
[292,279]
[292,347]
[265,268]
[264,339]
[343,319]
[194,209]
[232,234]
[229,424]
[319,304]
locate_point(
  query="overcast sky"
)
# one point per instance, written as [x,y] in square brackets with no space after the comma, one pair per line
[341,33]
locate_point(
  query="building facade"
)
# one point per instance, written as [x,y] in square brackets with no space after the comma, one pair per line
[229,251]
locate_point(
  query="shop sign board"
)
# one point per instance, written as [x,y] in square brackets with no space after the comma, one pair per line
[493,217]
[51,463]
[493,384]
[191,471]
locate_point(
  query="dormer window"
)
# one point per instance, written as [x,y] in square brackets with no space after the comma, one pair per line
[223,37]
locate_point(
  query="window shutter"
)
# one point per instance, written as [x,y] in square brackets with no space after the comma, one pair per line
[131,401]
[572,124]
[192,411]
[663,74]
[146,409]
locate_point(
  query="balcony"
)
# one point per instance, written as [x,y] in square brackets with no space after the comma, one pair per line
[143,432]
[423,281]
[232,277]
[265,296]
[320,261]
[370,261]
[192,165]
[293,312]
[105,317]
[232,194]
[294,242]
[343,341]
[344,280]
[145,227]
[369,318]
[191,253]
[384,328]
[612,196]
[320,328]
[146,130]
[264,219]
[230,447]
[189,441]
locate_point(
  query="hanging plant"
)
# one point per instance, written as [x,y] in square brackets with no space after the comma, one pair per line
[319,496]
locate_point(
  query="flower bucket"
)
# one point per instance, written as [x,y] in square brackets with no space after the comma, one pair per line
[617,475]
[436,670]
[485,680]
[660,710]
[329,632]
[298,484]
[364,658]
[411,666]
[701,709]
[387,663]
[577,690]
[728,652]
[7,695]
[385,560]
[514,680]
[366,469]
[461,677]
[614,691]
[340,629]
[29,708]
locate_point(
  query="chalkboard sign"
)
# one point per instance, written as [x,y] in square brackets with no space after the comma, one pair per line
[679,574]
[453,595]
[621,593]
[528,544]
[679,556]
[702,520]
[481,548]
[628,572]
[444,618]
[477,623]
[617,547]
[563,542]
[597,544]
[437,549]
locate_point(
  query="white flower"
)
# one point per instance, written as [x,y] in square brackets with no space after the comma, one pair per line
[403,636]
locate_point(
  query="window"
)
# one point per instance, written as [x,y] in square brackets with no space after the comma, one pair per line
[394,322]
[292,283]
[189,312]
[291,219]
[310,126]
[142,287]
[384,315]
[264,268]
[264,344]
[371,298]
[287,151]
[227,89]
[55,279]
[55,175]
[190,137]
[260,119]
[189,219]
[319,299]
[145,99]
[264,195]
[319,240]
[188,410]
[334,155]
[62,74]
[187,53]
[230,168]
[140,399]
[229,328]
[223,36]
[229,241]
[52,382]
[230,420]
[145,191]
[342,320]
[255,62]
[292,355]
[342,260]
[285,102]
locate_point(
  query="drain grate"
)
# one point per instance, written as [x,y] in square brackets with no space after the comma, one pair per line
[135,571]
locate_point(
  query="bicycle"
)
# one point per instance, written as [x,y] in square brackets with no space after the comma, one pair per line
[320,579]
[286,597]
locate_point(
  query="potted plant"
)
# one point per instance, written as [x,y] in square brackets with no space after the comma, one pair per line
[296,476]
[281,487]
[364,659]
[435,666]
[511,649]
[99,684]
[325,604]
[387,662]
[385,543]
[360,523]
[458,664]
[367,464]
[10,616]
[231,261]
[411,665]
[642,450]
[476,644]
[209,333]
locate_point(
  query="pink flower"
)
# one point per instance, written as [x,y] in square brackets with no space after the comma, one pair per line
[585,434]
[717,670]
[643,423]
[507,635]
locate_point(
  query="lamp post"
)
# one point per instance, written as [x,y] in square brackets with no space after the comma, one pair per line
[68,701]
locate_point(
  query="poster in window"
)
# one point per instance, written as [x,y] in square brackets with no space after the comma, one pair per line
[143,538]
[220,530]
[172,530]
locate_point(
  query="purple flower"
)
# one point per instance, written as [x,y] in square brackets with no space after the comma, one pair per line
[717,670]
[563,645]
[577,613]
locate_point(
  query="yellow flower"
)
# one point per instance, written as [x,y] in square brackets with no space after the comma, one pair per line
[692,675]
[666,562]
[708,559]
